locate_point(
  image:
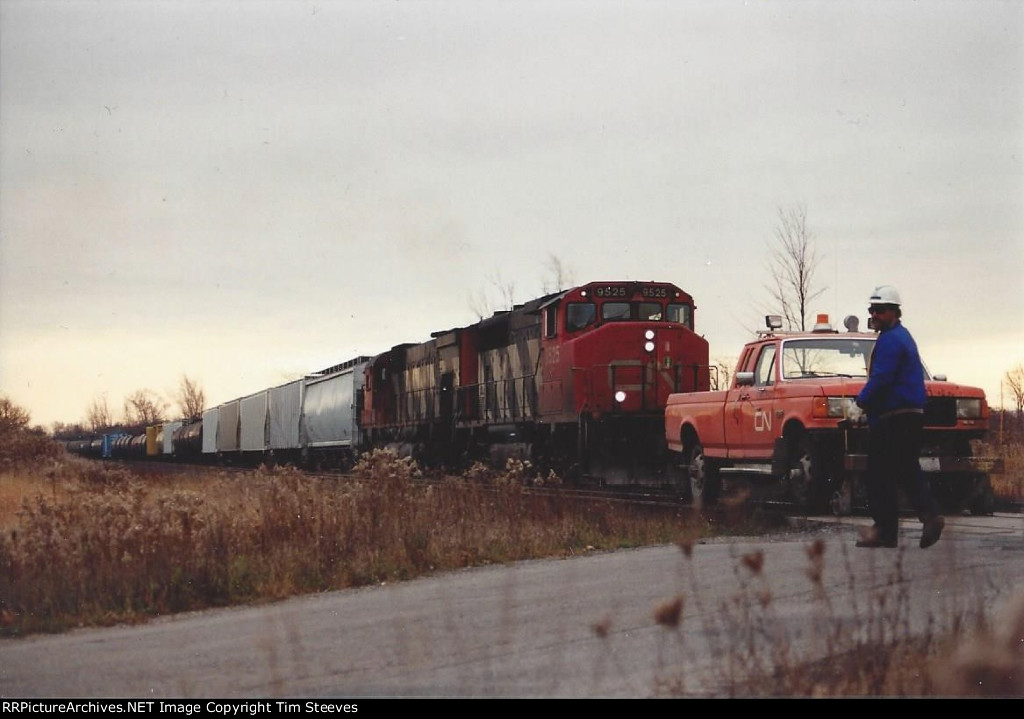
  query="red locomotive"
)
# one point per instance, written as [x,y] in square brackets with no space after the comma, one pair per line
[577,379]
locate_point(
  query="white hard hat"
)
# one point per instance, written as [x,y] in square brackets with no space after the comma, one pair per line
[885,295]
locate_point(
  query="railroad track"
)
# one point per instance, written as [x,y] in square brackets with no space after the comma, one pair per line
[641,495]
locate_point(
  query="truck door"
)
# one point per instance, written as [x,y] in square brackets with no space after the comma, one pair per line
[757,419]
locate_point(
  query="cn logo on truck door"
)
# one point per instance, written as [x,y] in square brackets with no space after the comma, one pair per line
[762,420]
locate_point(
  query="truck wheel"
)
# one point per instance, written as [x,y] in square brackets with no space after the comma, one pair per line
[803,484]
[983,499]
[705,483]
[842,499]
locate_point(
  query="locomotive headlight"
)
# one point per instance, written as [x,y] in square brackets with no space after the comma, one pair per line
[969,408]
[649,344]
[620,396]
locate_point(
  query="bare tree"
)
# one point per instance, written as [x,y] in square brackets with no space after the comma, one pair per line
[191,399]
[98,417]
[506,290]
[792,265]
[141,407]
[482,305]
[1015,381]
[722,374]
[560,276]
[12,417]
[68,430]
[479,304]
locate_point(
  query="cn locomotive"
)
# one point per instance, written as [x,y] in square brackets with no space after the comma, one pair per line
[575,380]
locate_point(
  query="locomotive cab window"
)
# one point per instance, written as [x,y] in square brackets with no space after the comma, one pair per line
[550,323]
[650,311]
[615,311]
[579,314]
[683,314]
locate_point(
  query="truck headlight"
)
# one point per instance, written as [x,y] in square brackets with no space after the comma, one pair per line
[834,407]
[969,408]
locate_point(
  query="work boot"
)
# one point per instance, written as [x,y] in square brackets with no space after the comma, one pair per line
[932,531]
[872,538]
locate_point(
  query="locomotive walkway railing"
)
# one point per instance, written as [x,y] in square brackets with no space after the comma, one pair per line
[510,399]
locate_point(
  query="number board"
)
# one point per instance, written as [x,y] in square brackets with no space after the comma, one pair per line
[624,291]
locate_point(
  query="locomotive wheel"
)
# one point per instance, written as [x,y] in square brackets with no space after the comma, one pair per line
[705,482]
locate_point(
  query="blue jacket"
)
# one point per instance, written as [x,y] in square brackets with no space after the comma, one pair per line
[896,376]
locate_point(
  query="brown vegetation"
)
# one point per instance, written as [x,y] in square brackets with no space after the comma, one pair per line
[751,653]
[92,543]
[1009,484]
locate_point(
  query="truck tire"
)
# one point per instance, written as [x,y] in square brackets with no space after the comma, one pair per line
[804,479]
[705,482]
[983,499]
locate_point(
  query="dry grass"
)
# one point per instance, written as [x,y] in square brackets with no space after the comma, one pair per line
[1008,484]
[873,653]
[91,543]
[87,542]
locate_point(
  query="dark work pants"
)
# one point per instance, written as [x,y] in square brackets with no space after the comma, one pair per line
[894,446]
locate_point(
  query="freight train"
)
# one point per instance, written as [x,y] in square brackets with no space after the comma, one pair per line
[576,381]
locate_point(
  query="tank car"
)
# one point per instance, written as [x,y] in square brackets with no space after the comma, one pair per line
[576,381]
[138,448]
[188,441]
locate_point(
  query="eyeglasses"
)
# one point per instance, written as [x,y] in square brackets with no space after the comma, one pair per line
[877,310]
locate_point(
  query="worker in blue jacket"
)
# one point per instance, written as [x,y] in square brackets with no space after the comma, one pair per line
[893,401]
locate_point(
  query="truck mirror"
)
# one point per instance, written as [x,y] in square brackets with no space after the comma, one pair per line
[745,379]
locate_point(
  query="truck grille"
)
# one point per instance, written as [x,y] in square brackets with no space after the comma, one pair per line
[940,412]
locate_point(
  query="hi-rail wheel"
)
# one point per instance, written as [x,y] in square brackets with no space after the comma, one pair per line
[705,482]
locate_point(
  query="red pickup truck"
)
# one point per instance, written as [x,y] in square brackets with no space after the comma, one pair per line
[789,423]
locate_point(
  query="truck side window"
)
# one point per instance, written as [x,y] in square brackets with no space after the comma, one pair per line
[764,372]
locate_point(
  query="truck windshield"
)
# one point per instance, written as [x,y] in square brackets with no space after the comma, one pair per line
[826,357]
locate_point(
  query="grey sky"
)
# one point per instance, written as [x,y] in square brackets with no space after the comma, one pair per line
[244,191]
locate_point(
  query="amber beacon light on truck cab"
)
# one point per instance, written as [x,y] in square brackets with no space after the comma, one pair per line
[789,423]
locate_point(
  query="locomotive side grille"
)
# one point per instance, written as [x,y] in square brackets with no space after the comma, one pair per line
[940,412]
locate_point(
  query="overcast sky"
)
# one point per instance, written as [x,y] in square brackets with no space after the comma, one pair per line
[245,191]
